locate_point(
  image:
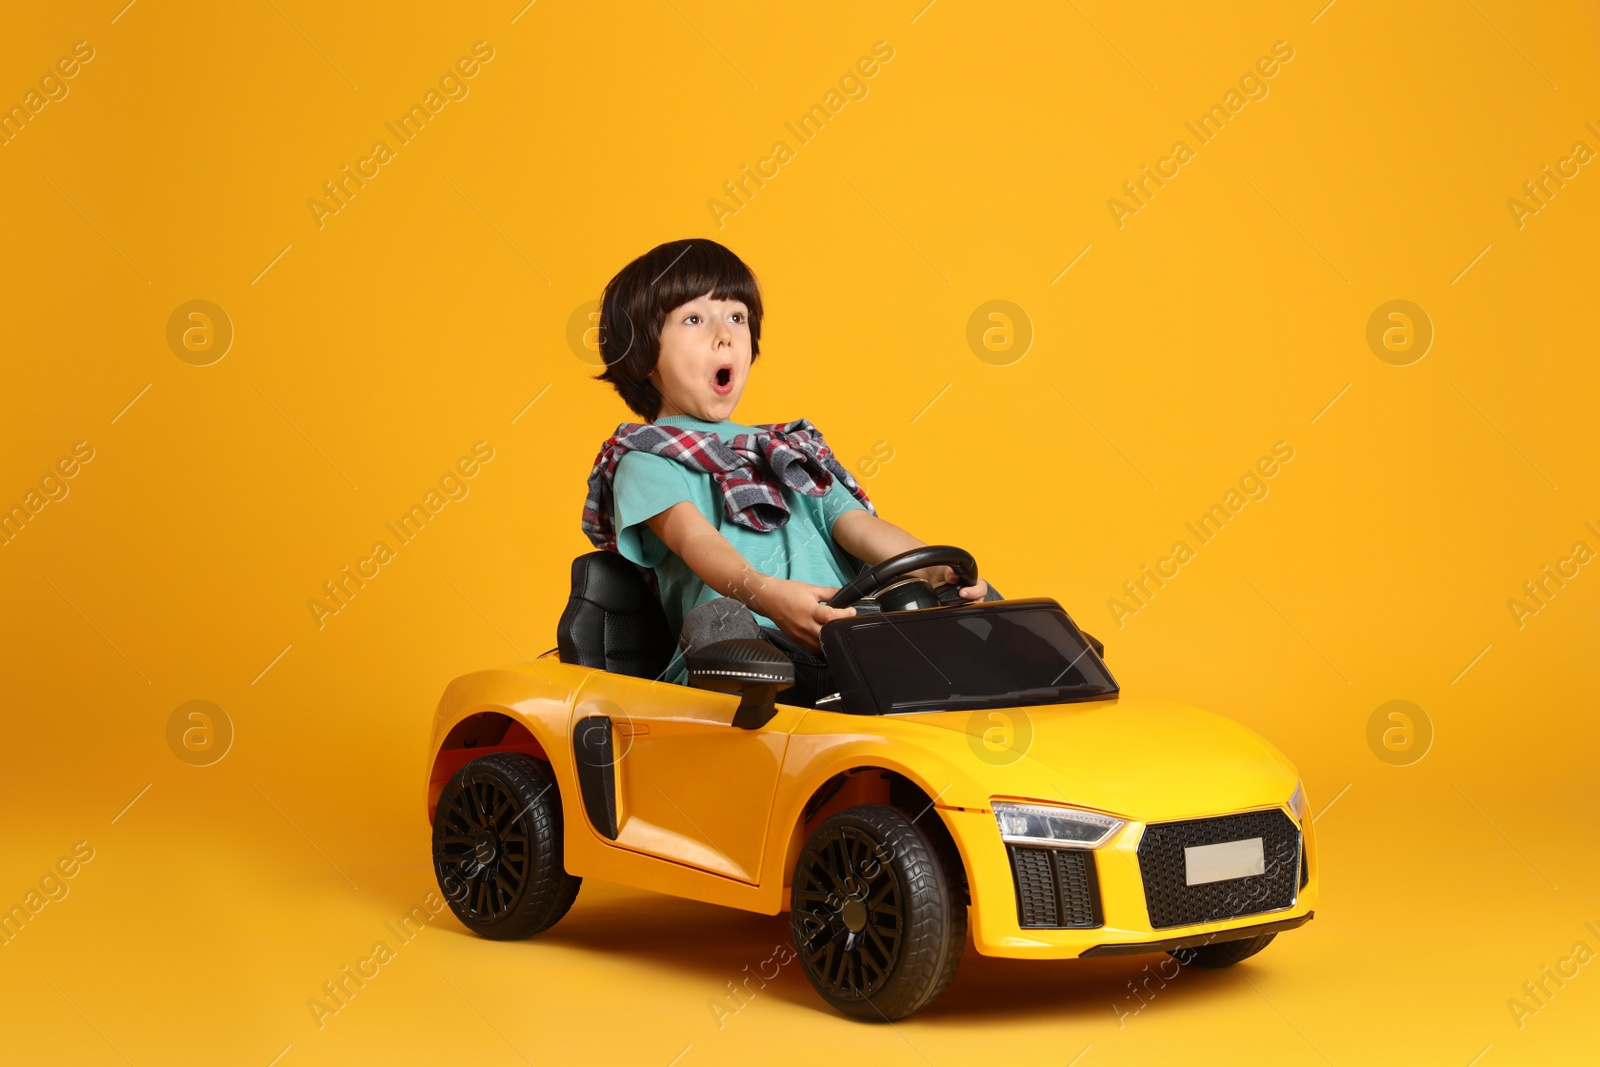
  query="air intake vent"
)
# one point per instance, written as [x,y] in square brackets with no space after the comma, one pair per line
[1056,887]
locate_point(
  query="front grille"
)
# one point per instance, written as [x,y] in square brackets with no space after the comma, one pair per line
[1056,887]
[1172,902]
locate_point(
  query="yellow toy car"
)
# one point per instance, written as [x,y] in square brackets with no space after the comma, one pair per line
[977,766]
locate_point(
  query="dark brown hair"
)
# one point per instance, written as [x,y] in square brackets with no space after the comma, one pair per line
[636,302]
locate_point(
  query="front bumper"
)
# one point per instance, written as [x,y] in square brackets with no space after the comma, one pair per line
[1123,918]
[1173,944]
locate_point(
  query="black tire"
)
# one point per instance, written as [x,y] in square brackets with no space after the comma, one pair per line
[879,922]
[1222,953]
[497,847]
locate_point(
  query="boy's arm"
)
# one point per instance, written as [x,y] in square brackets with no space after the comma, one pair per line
[796,607]
[873,540]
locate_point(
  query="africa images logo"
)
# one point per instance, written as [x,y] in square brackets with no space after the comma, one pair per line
[342,589]
[1208,127]
[452,86]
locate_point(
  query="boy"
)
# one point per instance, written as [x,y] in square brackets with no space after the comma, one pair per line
[746,530]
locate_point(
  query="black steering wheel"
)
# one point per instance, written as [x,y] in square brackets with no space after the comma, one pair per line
[874,578]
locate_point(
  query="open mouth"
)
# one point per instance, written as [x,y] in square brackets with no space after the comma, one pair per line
[722,380]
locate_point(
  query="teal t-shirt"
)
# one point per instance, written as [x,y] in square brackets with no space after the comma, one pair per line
[802,549]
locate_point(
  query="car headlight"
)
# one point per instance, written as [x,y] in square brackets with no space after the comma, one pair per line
[1054,827]
[1297,803]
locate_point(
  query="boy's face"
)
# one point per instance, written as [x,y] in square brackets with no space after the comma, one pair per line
[705,358]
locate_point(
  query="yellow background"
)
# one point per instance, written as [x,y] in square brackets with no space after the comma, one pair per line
[429,312]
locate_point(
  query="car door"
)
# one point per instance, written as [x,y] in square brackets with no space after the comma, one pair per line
[663,772]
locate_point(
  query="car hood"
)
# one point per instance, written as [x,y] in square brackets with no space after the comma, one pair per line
[1141,759]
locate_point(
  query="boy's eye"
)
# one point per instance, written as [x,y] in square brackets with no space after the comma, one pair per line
[692,318]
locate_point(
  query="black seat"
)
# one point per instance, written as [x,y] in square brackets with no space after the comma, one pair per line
[613,620]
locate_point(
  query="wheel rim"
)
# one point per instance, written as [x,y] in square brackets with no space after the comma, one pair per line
[484,846]
[850,909]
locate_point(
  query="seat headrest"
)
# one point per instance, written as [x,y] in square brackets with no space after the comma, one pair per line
[613,620]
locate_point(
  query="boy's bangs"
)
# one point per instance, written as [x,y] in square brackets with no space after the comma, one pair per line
[703,267]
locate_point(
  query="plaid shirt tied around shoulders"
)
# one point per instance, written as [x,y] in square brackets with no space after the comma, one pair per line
[749,469]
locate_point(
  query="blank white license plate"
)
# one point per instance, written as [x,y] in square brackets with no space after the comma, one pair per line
[1217,863]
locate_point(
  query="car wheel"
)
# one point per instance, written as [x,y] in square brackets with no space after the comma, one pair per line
[1222,953]
[878,921]
[497,854]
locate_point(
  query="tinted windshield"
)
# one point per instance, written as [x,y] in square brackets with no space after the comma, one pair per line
[970,657]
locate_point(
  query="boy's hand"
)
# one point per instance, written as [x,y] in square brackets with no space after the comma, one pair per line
[798,610]
[947,576]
